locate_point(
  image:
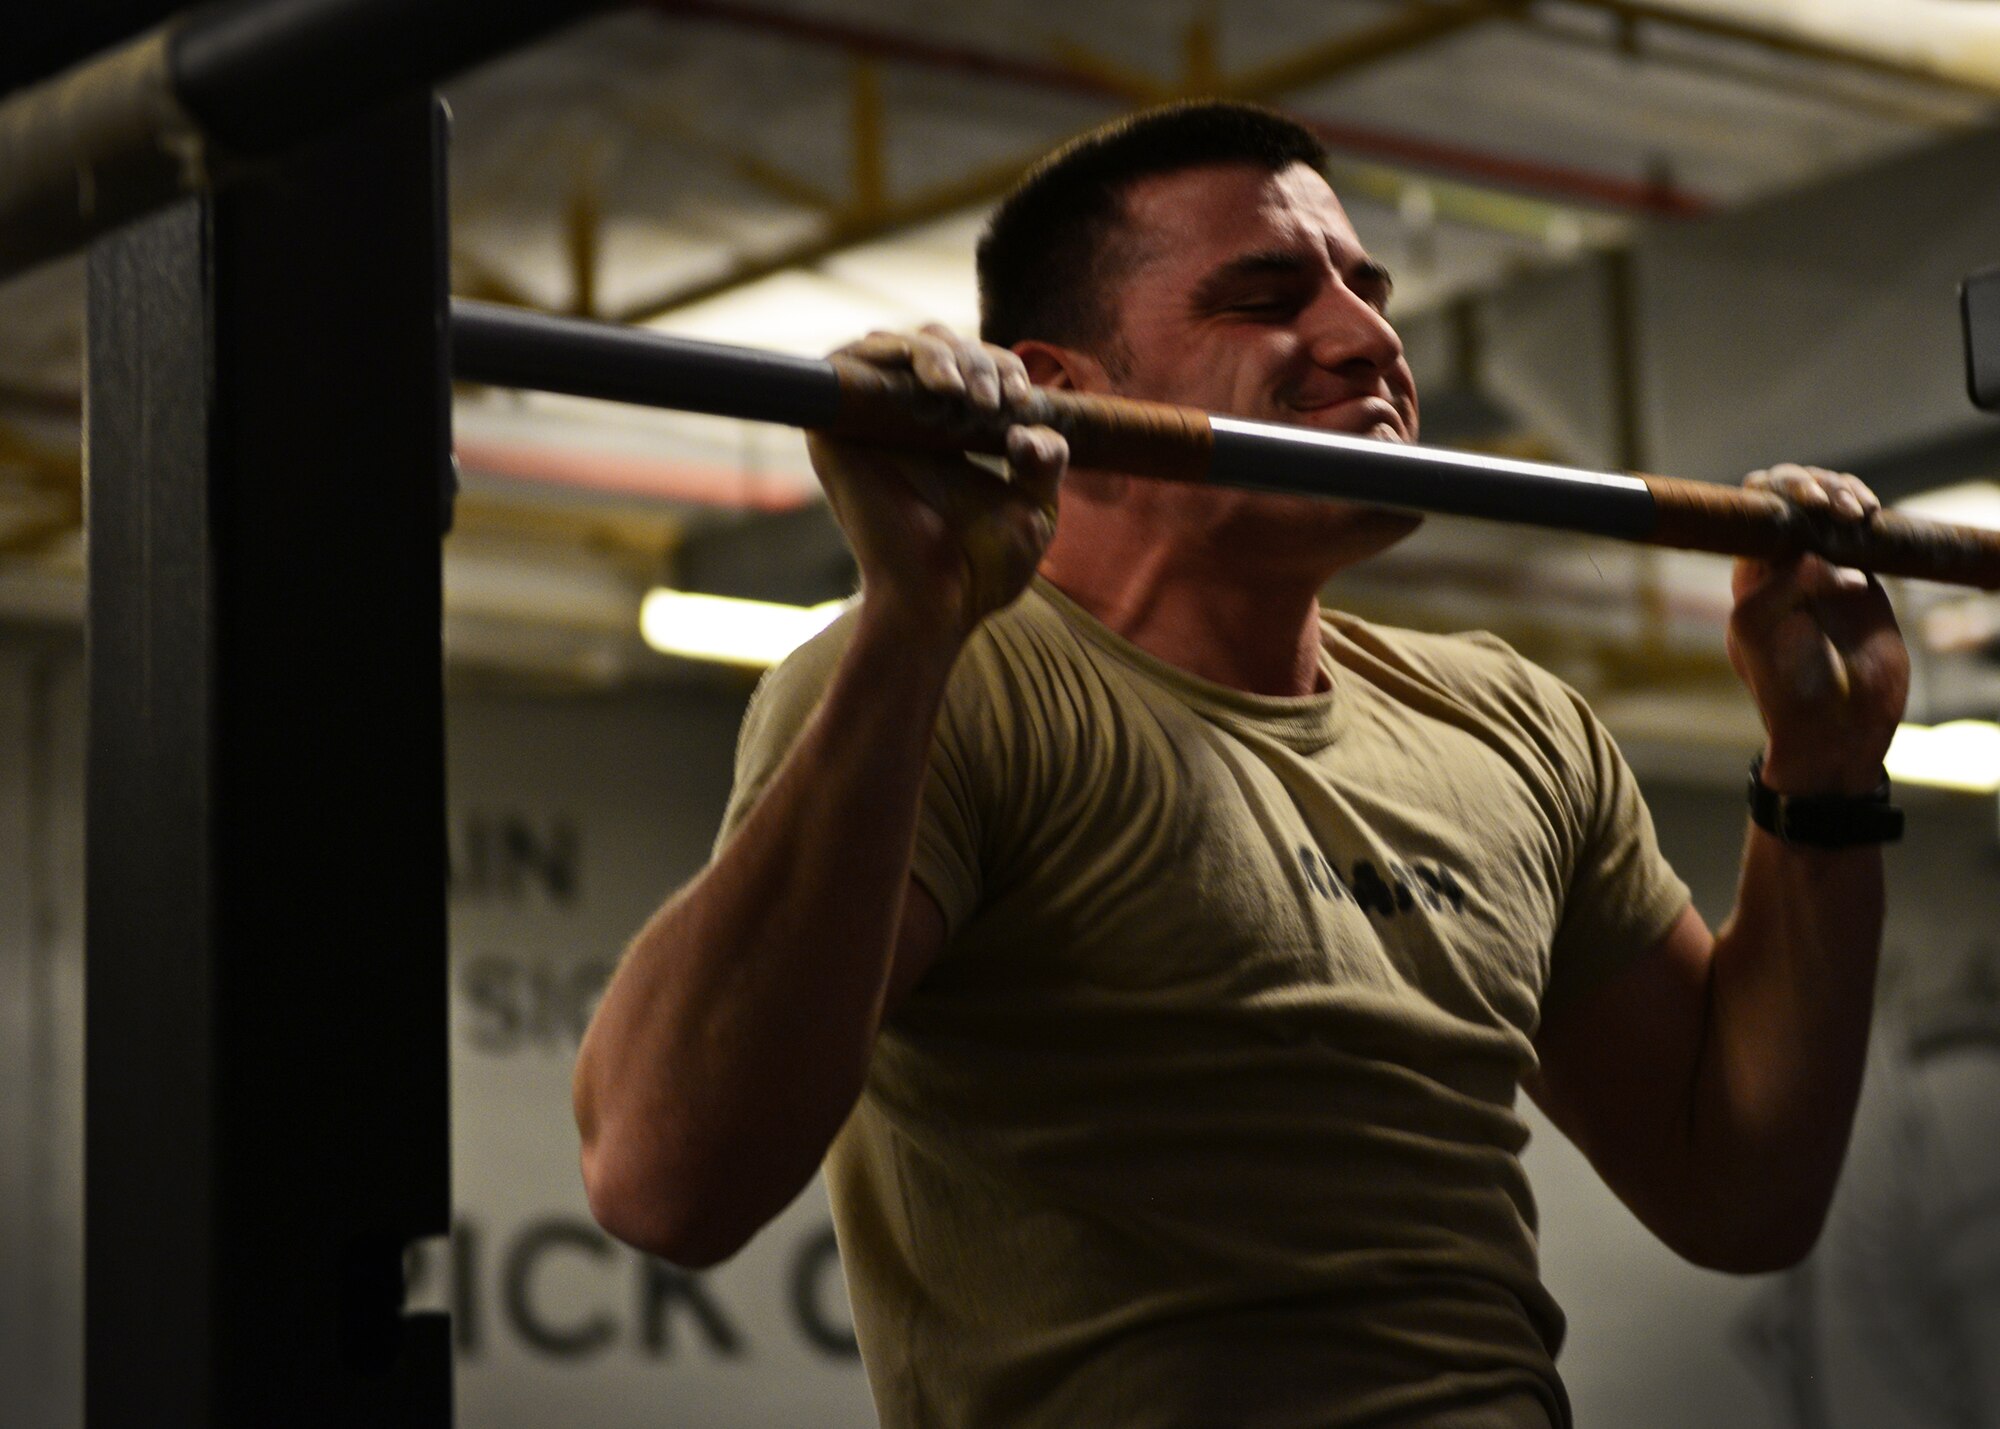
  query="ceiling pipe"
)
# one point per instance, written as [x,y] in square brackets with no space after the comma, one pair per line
[1654,198]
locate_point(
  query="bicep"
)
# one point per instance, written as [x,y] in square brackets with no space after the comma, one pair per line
[1618,1060]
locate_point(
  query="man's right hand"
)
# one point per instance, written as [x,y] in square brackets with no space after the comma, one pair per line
[936,535]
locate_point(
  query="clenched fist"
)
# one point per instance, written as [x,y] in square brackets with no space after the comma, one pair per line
[1819,649]
[946,538]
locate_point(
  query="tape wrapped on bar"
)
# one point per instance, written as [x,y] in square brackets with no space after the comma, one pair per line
[1698,515]
[1113,433]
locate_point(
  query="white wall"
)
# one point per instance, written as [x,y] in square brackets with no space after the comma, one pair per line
[41,1042]
[1822,323]
[570,819]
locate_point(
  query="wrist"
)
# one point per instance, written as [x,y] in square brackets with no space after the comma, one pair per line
[1798,775]
[924,636]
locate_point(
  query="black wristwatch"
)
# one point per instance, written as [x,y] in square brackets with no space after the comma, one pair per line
[1824,820]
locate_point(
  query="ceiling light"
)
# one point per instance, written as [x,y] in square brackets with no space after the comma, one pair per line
[1962,754]
[804,313]
[1966,503]
[755,634]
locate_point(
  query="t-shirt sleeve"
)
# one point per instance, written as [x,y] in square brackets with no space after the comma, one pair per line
[1623,895]
[946,859]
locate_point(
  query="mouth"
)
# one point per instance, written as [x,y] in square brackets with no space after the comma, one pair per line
[1370,416]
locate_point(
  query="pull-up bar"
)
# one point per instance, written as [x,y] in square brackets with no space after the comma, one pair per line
[509,348]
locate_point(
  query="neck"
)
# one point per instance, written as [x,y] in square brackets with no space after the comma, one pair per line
[1249,625]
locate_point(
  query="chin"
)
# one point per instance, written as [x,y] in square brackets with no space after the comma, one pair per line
[1313,527]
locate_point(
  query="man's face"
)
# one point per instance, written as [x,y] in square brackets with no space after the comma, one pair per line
[1252,297]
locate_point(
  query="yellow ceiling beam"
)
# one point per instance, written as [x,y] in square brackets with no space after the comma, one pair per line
[659,115]
[1136,87]
[864,221]
[867,136]
[870,213]
[846,230]
[583,232]
[1415,26]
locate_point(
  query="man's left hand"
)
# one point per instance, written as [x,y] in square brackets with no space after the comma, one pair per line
[1819,649]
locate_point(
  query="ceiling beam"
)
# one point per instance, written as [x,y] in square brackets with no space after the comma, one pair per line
[1412,28]
[848,228]
[1419,23]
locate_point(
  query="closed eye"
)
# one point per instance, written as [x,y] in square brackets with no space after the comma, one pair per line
[1264,307]
[1266,302]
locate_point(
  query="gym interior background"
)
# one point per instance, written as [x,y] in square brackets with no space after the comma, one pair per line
[1691,238]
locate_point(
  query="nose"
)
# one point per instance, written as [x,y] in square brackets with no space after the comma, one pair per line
[1348,335]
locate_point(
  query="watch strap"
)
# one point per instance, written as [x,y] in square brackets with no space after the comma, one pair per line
[1824,820]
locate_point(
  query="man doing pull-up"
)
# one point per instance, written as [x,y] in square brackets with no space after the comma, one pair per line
[1153,957]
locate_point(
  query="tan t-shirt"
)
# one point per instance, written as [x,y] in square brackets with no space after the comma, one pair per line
[1205,1115]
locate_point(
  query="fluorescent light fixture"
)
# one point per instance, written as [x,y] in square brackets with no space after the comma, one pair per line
[1962,754]
[1967,503]
[794,311]
[755,634]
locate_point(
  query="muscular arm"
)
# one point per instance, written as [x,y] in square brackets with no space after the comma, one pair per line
[734,1038]
[1713,1082]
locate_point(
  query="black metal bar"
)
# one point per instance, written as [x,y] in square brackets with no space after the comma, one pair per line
[59,35]
[260,75]
[1174,443]
[178,108]
[1266,456]
[510,348]
[267,1093]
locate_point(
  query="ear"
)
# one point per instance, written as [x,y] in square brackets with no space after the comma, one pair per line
[1064,368]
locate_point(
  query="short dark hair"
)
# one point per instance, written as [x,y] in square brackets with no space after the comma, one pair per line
[1052,250]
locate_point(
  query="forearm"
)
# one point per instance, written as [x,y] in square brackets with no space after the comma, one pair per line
[1791,987]
[734,1037]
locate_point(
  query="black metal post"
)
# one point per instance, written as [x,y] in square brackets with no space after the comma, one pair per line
[267,1094]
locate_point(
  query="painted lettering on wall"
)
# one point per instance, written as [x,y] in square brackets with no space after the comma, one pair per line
[635,1304]
[511,1004]
[507,856]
